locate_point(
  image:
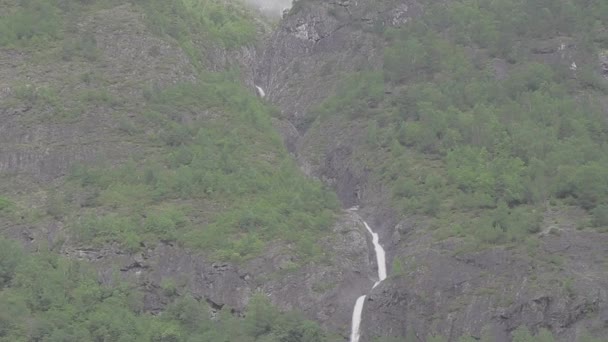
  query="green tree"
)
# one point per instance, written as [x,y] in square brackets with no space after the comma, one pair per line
[260,316]
[10,258]
[522,334]
[600,216]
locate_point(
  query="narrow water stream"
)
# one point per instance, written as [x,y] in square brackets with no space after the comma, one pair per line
[381,261]
[261,91]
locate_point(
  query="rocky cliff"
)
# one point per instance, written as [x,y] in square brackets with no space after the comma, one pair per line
[440,288]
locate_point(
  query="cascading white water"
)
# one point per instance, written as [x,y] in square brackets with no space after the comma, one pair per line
[356,324]
[381,260]
[261,91]
[380,254]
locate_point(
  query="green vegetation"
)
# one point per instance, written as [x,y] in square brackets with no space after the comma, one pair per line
[359,92]
[480,153]
[235,161]
[5,204]
[220,182]
[208,172]
[35,22]
[215,176]
[484,153]
[47,298]
[30,23]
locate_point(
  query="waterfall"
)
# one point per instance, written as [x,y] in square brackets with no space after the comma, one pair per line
[356,324]
[261,91]
[381,261]
[380,254]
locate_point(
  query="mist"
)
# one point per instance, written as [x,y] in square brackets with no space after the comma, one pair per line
[274,7]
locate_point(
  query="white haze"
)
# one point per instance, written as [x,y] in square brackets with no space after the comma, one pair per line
[274,7]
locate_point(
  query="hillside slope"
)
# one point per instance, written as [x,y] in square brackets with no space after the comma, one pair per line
[133,151]
[472,134]
[146,195]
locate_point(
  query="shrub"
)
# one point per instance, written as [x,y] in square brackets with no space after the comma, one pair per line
[31,22]
[55,205]
[10,258]
[600,216]
[5,204]
[432,204]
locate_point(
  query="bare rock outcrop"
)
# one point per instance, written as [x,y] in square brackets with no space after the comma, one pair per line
[324,290]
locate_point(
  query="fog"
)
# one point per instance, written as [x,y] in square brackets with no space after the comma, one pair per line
[274,7]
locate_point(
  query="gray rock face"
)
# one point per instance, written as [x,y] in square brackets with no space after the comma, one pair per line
[441,290]
[324,291]
[603,59]
[303,61]
[38,143]
[316,43]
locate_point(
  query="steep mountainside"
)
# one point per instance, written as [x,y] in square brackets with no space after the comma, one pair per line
[132,141]
[473,136]
[145,194]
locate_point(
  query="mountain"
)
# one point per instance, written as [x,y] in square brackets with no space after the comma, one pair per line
[150,193]
[135,151]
